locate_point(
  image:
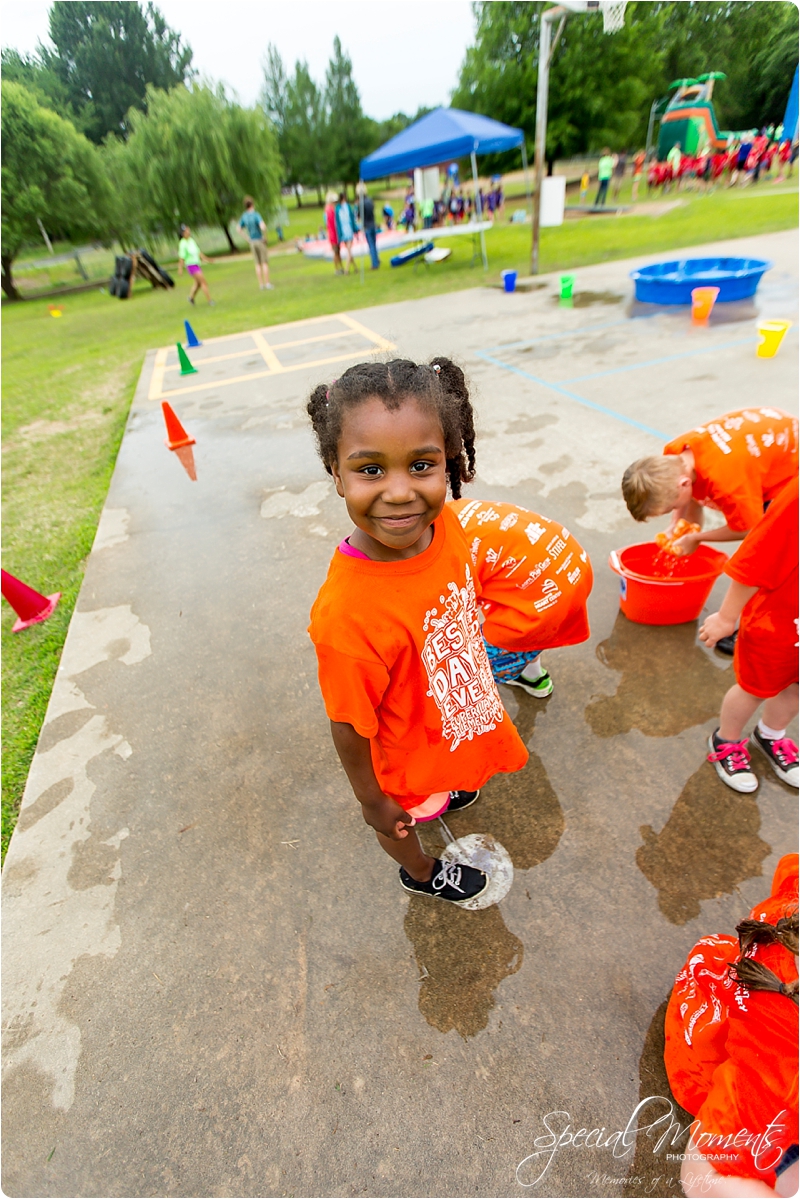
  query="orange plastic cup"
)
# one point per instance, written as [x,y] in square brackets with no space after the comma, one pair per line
[702,302]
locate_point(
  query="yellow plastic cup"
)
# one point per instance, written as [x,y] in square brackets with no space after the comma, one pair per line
[772,334]
[702,302]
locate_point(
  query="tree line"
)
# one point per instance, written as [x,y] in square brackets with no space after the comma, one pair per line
[109,134]
[602,86]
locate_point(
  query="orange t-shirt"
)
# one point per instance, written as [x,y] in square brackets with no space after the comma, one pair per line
[534,577]
[765,660]
[731,1053]
[401,659]
[741,460]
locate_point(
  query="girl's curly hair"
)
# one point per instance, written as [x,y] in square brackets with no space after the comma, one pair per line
[439,384]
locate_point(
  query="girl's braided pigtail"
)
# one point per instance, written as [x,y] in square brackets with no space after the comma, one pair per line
[319,411]
[459,425]
[756,977]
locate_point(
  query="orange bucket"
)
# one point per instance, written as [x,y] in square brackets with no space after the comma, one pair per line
[702,302]
[647,597]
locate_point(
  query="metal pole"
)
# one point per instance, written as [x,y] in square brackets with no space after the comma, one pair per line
[527,176]
[44,235]
[542,85]
[650,124]
[479,209]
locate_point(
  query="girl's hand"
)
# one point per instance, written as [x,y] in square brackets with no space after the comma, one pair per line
[388,818]
[714,628]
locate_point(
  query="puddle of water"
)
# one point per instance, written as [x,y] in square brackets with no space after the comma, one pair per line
[708,846]
[585,299]
[651,1173]
[730,312]
[668,682]
[462,958]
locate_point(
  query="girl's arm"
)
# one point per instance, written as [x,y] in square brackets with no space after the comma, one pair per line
[722,623]
[381,812]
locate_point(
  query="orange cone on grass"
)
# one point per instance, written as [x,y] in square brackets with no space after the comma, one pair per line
[29,605]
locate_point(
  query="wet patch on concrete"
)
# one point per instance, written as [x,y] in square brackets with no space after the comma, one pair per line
[651,1172]
[586,299]
[62,727]
[554,468]
[46,803]
[668,682]
[462,957]
[709,845]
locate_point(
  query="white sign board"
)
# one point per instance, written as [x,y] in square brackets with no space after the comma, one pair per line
[551,209]
[427,185]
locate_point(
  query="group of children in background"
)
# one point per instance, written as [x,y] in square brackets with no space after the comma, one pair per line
[431,602]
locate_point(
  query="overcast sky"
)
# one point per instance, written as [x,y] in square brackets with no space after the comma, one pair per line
[405,53]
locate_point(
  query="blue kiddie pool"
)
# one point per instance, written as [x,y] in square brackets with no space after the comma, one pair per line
[673,282]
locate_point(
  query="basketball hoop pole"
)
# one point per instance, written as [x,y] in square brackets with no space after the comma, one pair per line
[546,21]
[542,89]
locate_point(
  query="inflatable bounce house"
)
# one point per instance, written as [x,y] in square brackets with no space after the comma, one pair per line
[690,119]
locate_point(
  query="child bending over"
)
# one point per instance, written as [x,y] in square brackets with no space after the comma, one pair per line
[731,1051]
[415,715]
[535,581]
[763,592]
[735,464]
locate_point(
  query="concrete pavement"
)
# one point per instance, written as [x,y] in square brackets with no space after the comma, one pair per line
[213,984]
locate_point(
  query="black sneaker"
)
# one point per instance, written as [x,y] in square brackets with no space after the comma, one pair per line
[732,763]
[781,755]
[450,880]
[727,645]
[461,799]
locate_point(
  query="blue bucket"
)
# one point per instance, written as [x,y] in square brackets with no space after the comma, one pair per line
[509,280]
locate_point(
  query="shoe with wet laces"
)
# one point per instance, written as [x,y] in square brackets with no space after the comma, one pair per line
[450,880]
[462,799]
[732,763]
[781,753]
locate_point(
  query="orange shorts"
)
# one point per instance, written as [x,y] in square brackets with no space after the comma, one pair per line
[765,660]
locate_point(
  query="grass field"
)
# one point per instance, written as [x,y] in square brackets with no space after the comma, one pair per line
[68,383]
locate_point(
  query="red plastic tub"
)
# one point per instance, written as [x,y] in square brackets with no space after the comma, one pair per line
[646,597]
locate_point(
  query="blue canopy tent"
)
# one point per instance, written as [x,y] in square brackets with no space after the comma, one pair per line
[443,134]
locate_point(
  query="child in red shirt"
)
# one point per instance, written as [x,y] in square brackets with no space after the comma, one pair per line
[535,581]
[730,1049]
[415,715]
[764,593]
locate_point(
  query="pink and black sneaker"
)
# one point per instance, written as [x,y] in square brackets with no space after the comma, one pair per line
[781,755]
[732,763]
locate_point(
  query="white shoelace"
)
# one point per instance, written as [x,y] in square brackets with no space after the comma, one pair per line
[449,873]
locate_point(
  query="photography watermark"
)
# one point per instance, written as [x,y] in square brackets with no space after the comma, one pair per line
[665,1130]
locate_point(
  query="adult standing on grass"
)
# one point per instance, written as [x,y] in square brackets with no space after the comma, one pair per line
[256,232]
[619,174]
[190,254]
[605,168]
[333,231]
[346,226]
[370,229]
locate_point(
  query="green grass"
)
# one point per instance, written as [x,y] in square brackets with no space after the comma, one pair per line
[68,383]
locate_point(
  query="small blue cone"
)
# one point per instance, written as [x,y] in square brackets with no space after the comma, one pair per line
[191,336]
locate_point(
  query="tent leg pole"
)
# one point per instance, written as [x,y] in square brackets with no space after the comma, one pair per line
[527,176]
[361,214]
[478,209]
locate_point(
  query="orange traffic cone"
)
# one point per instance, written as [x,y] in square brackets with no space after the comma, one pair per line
[176,434]
[29,605]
